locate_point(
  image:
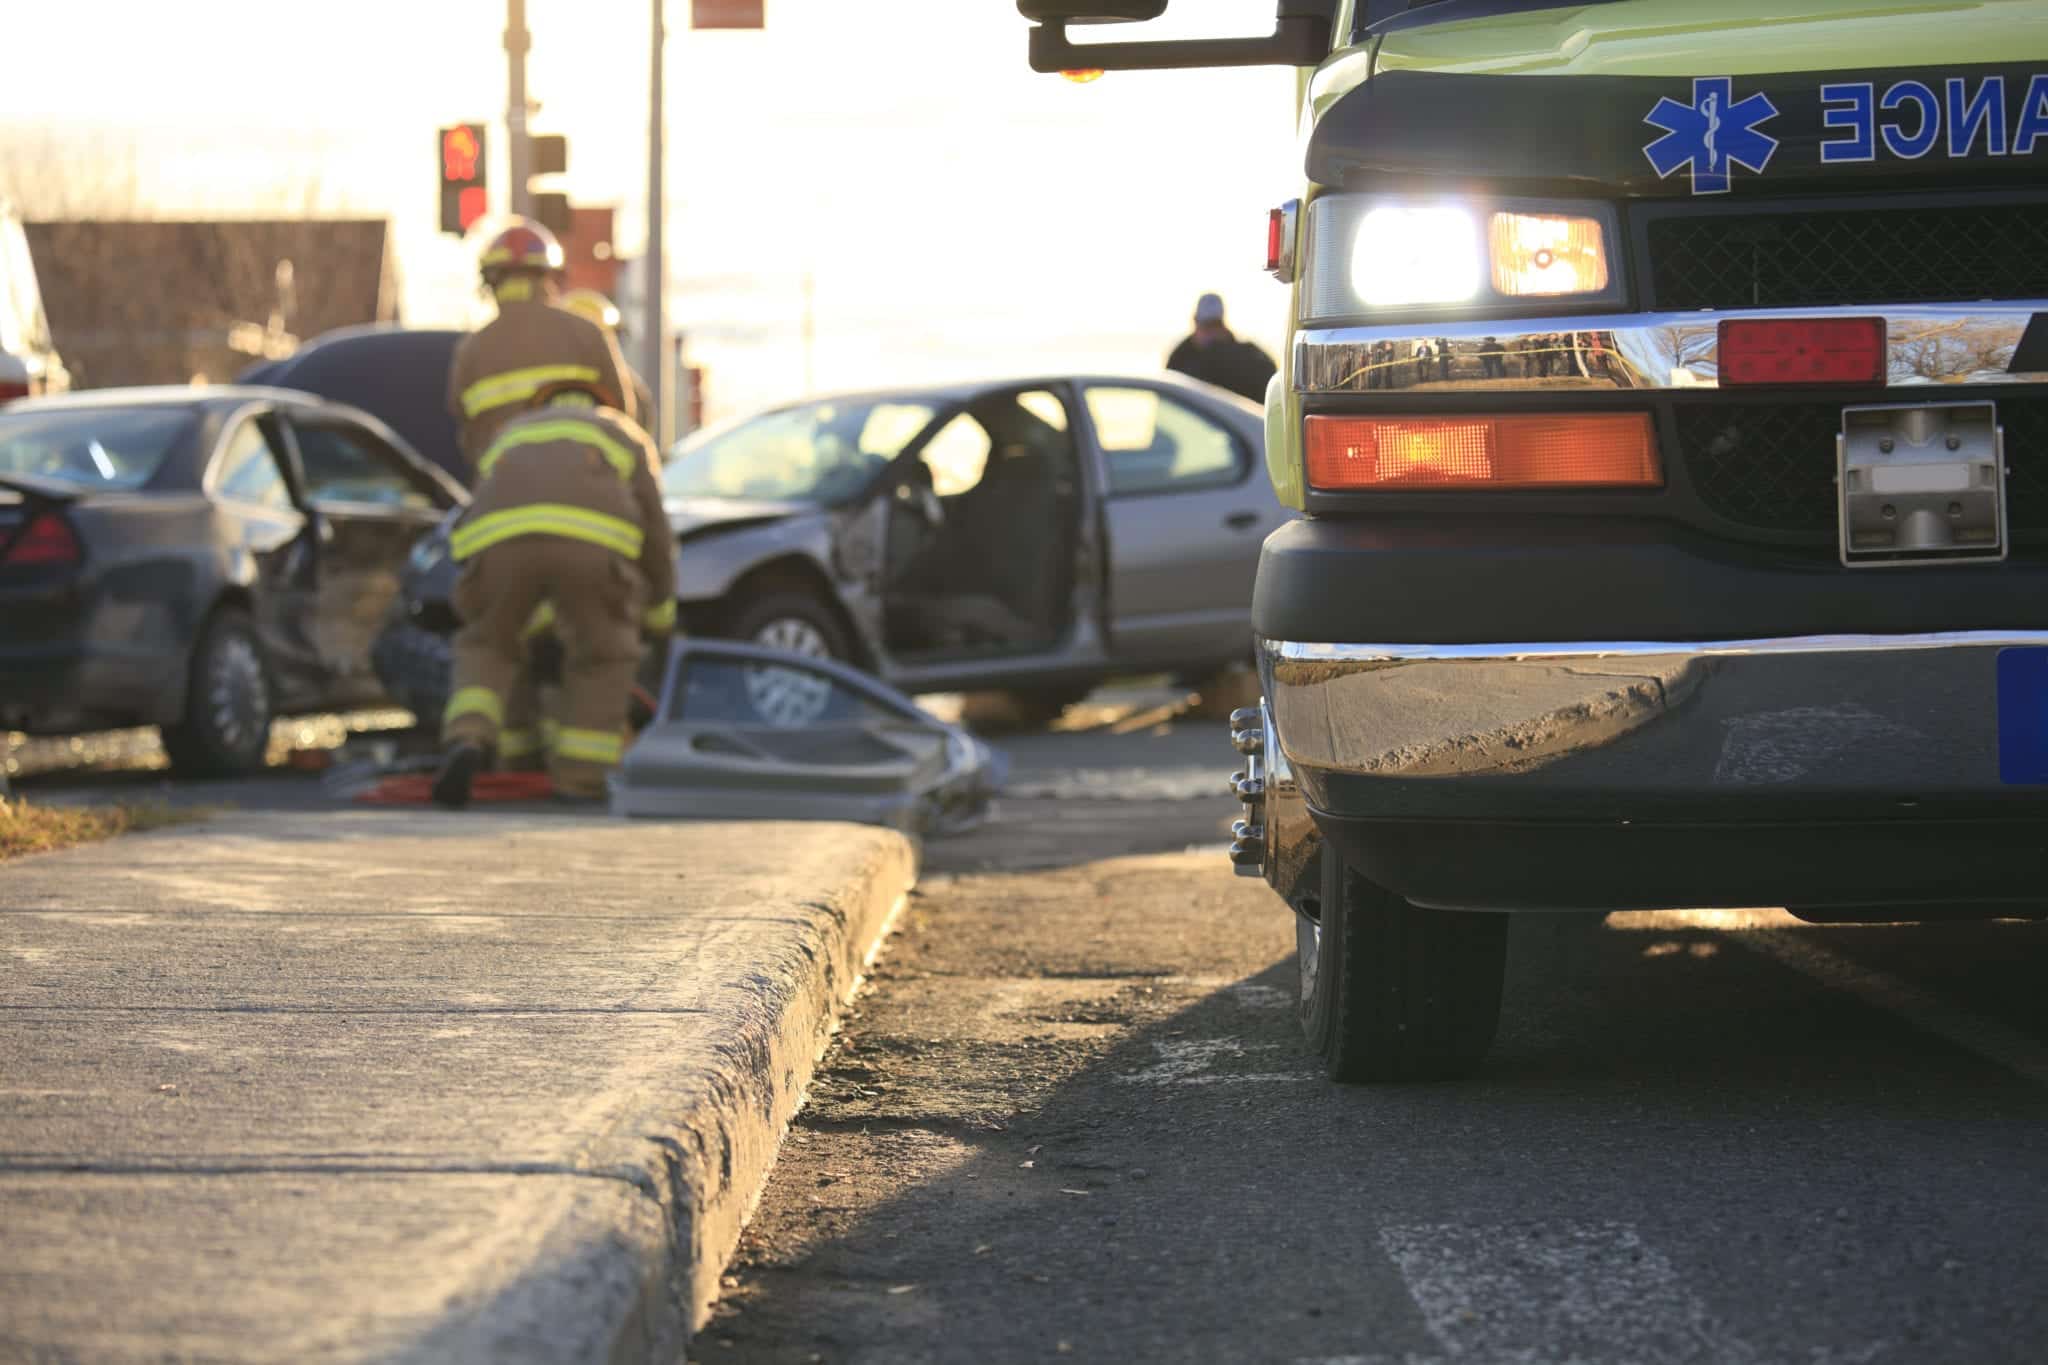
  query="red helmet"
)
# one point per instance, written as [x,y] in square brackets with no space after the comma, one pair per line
[523,248]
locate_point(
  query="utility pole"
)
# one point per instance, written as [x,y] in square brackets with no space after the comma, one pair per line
[517,41]
[659,376]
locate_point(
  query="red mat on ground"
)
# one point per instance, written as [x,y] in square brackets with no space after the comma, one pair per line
[417,789]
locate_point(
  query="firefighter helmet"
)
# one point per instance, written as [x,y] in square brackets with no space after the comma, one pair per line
[524,248]
[588,303]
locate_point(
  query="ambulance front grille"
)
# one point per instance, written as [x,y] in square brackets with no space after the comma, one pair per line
[1874,255]
[1771,466]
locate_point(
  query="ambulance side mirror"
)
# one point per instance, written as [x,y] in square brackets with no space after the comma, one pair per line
[1090,11]
[1300,37]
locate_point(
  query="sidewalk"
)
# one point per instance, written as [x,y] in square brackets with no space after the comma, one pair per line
[400,1086]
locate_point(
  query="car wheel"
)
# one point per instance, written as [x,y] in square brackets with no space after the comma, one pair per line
[1392,991]
[226,728]
[799,624]
[416,667]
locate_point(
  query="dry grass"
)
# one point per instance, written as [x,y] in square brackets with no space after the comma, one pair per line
[26,828]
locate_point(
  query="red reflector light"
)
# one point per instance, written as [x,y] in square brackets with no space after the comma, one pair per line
[1276,237]
[47,539]
[1802,351]
[1527,450]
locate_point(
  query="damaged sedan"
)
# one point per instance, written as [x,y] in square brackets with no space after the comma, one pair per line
[1034,536]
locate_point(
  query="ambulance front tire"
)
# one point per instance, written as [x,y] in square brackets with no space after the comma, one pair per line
[1392,991]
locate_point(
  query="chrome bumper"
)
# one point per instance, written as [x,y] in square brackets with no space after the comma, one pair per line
[1471,730]
[1813,730]
[1974,343]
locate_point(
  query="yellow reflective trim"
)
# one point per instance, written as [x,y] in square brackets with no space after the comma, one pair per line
[563,429]
[546,519]
[516,386]
[662,617]
[517,743]
[591,746]
[542,619]
[550,731]
[475,701]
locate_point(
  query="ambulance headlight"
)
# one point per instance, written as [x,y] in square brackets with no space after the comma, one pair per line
[1372,255]
[1419,253]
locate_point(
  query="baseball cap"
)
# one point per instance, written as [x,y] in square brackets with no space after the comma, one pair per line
[1209,308]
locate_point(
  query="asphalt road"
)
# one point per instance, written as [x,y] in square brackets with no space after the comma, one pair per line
[1072,1119]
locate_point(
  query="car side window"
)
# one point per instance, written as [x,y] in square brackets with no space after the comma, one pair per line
[345,465]
[1152,443]
[250,471]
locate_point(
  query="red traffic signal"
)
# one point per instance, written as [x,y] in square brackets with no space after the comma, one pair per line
[459,153]
[462,154]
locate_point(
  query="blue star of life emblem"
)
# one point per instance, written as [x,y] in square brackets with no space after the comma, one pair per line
[1717,133]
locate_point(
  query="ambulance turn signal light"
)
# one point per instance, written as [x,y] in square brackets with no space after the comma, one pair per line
[1483,453]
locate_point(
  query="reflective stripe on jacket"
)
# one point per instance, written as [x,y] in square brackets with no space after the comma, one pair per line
[530,346]
[582,475]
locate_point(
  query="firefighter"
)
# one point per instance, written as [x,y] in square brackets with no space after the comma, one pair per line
[566,524]
[531,345]
[588,303]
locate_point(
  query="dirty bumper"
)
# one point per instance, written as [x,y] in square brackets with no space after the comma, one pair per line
[1826,769]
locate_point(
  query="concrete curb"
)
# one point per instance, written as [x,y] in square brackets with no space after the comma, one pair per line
[630,1280]
[476,1088]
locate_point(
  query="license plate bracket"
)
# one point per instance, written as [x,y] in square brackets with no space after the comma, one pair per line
[1921,483]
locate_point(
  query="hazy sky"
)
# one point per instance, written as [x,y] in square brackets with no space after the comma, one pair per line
[959,214]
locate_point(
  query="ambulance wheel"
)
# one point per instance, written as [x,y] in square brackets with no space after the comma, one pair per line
[1392,991]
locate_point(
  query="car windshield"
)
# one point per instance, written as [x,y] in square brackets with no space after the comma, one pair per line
[820,452]
[92,448]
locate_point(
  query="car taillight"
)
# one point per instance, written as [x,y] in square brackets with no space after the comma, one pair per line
[1790,351]
[1510,451]
[46,539]
[10,390]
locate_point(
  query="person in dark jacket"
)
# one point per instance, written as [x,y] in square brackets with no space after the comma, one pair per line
[1215,356]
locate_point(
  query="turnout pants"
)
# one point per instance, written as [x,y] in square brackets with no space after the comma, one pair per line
[596,596]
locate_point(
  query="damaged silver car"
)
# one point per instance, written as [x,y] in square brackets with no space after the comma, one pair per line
[1033,536]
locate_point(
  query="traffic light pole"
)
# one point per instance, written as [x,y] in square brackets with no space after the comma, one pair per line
[517,41]
[655,284]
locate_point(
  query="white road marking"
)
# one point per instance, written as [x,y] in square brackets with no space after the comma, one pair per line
[1778,936]
[1784,746]
[1579,1292]
[1192,1061]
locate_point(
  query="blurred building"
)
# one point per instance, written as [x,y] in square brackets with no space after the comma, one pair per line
[191,302]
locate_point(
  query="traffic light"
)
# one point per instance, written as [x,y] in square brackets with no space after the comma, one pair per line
[548,154]
[460,155]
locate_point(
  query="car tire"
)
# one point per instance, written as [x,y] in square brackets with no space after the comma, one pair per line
[228,709]
[799,622]
[1392,991]
[789,619]
[416,667]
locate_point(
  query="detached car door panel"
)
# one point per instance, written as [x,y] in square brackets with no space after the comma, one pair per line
[1186,516]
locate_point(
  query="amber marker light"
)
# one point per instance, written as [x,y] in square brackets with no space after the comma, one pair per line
[1081,75]
[1483,453]
[1547,253]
